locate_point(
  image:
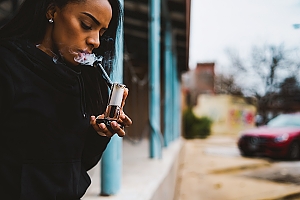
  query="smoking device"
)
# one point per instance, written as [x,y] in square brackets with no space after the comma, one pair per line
[113,107]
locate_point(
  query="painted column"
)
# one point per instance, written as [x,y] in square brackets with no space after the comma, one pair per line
[177,103]
[111,163]
[168,86]
[174,96]
[154,79]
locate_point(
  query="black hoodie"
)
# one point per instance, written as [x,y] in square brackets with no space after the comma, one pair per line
[46,142]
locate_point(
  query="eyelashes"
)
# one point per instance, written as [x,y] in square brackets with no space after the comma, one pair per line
[102,35]
[85,26]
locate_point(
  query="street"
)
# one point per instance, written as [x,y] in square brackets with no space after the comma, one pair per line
[212,169]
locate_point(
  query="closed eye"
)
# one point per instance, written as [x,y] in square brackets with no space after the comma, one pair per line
[85,26]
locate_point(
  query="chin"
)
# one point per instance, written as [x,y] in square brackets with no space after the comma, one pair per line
[70,60]
[73,63]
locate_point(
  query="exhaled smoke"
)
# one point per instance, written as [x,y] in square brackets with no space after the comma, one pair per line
[93,60]
[87,59]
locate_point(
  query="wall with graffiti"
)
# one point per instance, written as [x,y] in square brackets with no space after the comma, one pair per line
[230,114]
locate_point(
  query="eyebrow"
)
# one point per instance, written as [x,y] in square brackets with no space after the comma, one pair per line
[92,17]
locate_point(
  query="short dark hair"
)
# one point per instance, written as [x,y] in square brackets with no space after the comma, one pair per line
[30,23]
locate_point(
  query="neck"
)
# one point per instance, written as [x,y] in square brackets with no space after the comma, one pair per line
[46,50]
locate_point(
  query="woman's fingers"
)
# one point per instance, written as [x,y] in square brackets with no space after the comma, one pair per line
[110,128]
[117,128]
[107,130]
[124,119]
[99,128]
[125,94]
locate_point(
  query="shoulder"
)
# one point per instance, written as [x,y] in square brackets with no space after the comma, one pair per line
[14,54]
[7,58]
[7,53]
[6,62]
[10,64]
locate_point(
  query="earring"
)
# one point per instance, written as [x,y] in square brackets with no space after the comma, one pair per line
[50,20]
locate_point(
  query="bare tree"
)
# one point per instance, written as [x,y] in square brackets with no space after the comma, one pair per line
[270,74]
[227,85]
[289,95]
[263,72]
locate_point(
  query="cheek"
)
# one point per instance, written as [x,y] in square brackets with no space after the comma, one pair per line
[68,39]
[67,33]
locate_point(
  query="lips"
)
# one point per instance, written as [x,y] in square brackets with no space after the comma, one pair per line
[84,51]
[82,55]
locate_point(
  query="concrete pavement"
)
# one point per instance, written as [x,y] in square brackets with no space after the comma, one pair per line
[211,169]
[142,178]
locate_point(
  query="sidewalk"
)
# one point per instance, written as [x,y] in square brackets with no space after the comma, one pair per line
[209,171]
[142,178]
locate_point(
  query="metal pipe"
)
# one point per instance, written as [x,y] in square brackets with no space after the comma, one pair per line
[109,83]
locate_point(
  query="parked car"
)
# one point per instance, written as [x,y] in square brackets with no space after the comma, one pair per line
[279,138]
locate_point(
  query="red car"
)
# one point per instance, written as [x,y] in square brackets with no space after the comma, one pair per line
[280,138]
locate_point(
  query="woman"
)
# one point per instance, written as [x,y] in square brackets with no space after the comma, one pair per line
[49,137]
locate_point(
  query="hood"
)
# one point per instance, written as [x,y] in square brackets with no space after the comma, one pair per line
[39,61]
[271,131]
[32,60]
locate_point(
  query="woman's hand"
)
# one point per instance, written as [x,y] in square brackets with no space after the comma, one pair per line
[116,126]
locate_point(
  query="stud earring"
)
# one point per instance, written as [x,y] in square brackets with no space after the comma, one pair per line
[50,20]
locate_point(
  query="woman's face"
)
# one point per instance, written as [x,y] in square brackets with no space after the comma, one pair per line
[77,28]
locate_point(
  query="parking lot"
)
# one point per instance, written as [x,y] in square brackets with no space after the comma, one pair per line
[212,169]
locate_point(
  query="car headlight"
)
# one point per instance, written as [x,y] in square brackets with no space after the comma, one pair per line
[281,138]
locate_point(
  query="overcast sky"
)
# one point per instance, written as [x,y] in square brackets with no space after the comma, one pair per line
[240,24]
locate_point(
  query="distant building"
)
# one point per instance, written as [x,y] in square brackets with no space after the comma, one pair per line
[230,114]
[204,76]
[199,81]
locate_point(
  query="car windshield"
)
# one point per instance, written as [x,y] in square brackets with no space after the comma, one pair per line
[285,121]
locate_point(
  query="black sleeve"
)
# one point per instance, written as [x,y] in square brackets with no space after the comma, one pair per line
[96,97]
[93,149]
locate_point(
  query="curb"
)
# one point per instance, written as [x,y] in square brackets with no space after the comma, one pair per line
[291,196]
[238,168]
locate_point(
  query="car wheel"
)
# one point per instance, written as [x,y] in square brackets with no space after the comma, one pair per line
[294,151]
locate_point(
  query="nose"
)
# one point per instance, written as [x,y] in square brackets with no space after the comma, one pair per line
[94,41]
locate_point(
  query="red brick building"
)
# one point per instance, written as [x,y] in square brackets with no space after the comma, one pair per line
[204,76]
[200,81]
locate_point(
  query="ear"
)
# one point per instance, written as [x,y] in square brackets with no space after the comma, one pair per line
[51,11]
